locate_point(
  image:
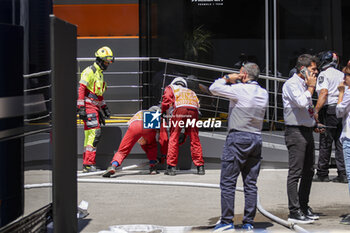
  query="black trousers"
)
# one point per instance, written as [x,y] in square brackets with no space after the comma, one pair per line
[301,151]
[328,117]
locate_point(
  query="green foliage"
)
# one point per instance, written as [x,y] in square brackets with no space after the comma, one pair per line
[197,43]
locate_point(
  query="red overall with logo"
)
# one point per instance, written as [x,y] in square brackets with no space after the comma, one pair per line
[145,137]
[185,104]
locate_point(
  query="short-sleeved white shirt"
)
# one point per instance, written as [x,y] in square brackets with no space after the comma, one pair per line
[330,79]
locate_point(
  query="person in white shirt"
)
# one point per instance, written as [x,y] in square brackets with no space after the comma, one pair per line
[242,150]
[343,110]
[299,122]
[327,83]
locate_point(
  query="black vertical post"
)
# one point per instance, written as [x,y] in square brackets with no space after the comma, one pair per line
[11,123]
[64,137]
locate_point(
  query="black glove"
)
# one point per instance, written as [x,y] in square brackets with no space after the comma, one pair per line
[163,115]
[161,159]
[101,118]
[107,112]
[200,115]
[82,113]
[182,138]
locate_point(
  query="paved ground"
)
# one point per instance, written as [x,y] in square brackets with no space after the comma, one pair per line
[123,204]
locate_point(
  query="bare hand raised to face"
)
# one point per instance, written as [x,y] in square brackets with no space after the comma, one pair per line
[311,79]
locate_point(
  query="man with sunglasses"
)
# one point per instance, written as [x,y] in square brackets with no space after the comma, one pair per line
[92,108]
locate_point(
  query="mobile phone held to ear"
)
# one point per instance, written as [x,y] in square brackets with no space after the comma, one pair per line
[304,70]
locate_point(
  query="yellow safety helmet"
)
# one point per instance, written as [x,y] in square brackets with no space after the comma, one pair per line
[105,54]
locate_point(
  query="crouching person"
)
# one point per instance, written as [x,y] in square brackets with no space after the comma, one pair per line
[145,137]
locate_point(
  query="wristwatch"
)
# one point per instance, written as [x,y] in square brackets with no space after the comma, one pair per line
[227,78]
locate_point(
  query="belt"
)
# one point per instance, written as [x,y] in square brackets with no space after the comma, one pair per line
[303,128]
[329,105]
[92,96]
[234,130]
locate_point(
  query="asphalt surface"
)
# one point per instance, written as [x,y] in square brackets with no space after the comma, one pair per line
[115,204]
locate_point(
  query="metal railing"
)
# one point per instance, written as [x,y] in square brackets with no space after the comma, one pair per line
[45,101]
[27,129]
[273,90]
[274,112]
[38,74]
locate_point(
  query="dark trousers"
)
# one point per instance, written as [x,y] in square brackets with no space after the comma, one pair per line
[242,153]
[327,117]
[301,150]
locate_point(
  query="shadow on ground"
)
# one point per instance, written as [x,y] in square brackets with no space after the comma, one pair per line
[82,223]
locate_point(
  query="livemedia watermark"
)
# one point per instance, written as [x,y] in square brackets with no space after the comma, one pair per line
[153,120]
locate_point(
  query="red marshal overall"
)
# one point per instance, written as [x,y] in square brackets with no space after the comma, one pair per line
[185,104]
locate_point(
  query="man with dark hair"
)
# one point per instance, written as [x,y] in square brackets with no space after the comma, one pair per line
[299,121]
[242,150]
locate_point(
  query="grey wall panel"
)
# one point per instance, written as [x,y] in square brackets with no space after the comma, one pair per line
[120,66]
[64,139]
[122,93]
[121,79]
[123,47]
[37,148]
[124,108]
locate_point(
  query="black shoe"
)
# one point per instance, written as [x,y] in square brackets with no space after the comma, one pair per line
[110,171]
[200,170]
[299,217]
[340,179]
[89,168]
[153,170]
[345,220]
[310,214]
[318,178]
[170,171]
